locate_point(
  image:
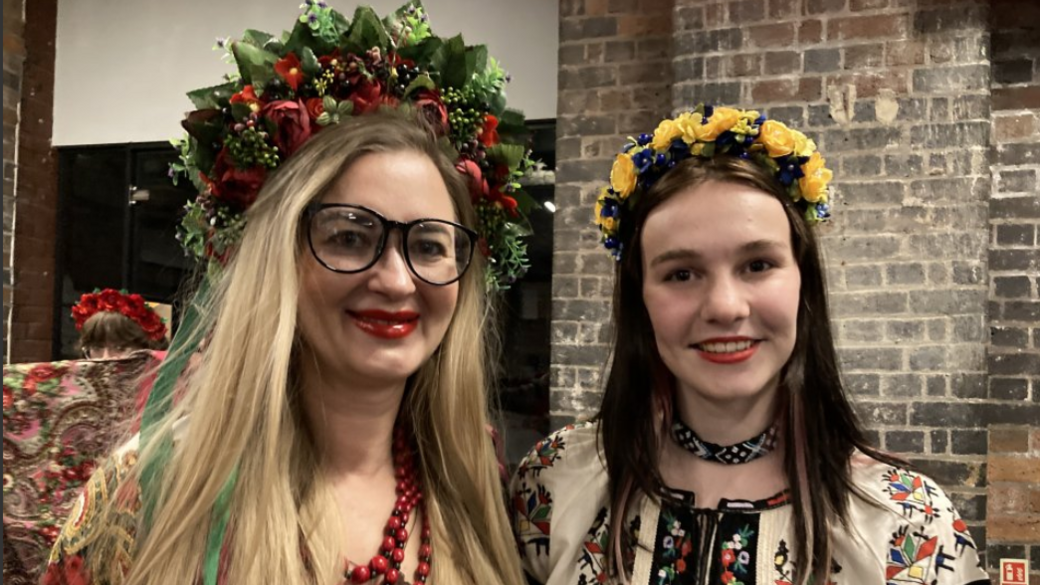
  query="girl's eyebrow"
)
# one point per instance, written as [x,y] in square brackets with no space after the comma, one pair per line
[756,246]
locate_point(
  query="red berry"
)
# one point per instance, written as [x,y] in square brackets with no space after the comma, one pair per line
[392,576]
[379,564]
[360,574]
[398,555]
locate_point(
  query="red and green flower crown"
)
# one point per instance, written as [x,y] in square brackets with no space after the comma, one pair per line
[707,132]
[111,300]
[327,68]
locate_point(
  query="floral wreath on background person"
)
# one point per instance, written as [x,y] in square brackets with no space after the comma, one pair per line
[111,300]
[327,68]
[707,132]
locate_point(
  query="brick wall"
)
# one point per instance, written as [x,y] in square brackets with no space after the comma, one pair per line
[1014,262]
[902,98]
[37,188]
[14,55]
[615,79]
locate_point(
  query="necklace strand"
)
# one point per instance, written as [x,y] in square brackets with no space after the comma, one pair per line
[743,452]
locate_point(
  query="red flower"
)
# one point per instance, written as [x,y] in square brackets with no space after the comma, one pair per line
[290,70]
[728,577]
[489,135]
[247,96]
[433,109]
[236,187]
[110,300]
[332,60]
[69,571]
[478,186]
[8,398]
[315,108]
[44,372]
[293,124]
[366,97]
[728,558]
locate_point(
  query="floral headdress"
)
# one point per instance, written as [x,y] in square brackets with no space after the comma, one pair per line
[707,132]
[327,68]
[111,300]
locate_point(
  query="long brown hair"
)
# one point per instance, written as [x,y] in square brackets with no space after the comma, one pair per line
[631,425]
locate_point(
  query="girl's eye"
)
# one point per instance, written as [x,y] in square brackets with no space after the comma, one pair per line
[759,265]
[681,275]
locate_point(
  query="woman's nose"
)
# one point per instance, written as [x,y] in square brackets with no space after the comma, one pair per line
[391,274]
[726,301]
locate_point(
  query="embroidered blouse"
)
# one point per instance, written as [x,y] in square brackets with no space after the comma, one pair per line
[910,535]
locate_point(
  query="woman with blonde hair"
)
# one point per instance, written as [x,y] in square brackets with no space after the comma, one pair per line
[333,430]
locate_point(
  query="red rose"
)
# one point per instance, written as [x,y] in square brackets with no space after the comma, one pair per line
[478,186]
[728,557]
[293,125]
[366,96]
[236,187]
[489,135]
[44,372]
[433,109]
[315,108]
[290,70]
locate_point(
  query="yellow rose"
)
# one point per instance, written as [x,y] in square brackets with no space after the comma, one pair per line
[814,184]
[777,138]
[607,224]
[690,127]
[744,124]
[667,131]
[803,145]
[722,119]
[623,175]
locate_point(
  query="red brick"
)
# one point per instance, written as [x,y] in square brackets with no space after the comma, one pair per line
[1014,469]
[810,31]
[14,45]
[1003,499]
[595,7]
[771,35]
[743,65]
[864,56]
[639,26]
[715,15]
[902,53]
[881,26]
[1008,440]
[1023,528]
[869,85]
[786,90]
[780,9]
[1016,98]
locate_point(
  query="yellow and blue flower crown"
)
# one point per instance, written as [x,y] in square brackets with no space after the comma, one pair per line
[707,132]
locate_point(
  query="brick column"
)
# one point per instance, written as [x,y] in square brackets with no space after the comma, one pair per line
[614,80]
[14,55]
[37,187]
[1014,284]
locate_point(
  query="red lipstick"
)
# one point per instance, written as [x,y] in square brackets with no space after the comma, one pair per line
[741,353]
[386,324]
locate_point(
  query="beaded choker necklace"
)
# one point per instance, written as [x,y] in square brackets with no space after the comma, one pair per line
[744,452]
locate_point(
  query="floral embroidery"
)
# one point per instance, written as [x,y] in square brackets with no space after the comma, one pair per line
[912,493]
[592,562]
[736,557]
[785,567]
[912,556]
[545,453]
[675,545]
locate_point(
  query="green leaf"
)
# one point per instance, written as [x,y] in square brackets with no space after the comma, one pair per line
[450,61]
[420,82]
[422,52]
[708,150]
[507,154]
[212,97]
[300,38]
[345,108]
[256,65]
[366,31]
[309,62]
[526,204]
[240,111]
[476,60]
[257,38]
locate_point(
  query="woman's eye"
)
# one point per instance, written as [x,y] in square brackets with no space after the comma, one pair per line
[429,249]
[348,239]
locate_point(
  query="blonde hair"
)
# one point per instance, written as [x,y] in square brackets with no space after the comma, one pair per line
[245,414]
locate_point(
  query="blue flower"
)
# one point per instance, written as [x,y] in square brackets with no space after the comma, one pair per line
[644,139]
[823,210]
[660,160]
[708,111]
[610,208]
[643,159]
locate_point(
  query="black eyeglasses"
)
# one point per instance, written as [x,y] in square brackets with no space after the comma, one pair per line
[351,238]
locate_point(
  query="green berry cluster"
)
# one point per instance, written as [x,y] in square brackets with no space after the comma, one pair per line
[465,119]
[250,148]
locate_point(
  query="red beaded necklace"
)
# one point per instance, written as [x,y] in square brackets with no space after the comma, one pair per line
[387,562]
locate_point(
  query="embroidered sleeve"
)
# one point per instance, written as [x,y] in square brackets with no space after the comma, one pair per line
[90,539]
[931,544]
[557,499]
